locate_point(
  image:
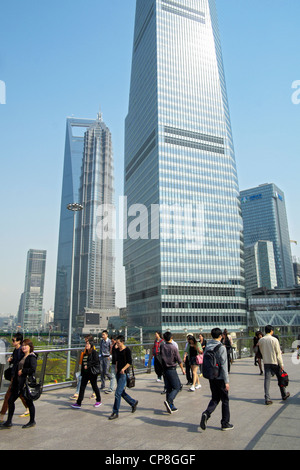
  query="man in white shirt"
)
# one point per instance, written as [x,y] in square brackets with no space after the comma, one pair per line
[273,363]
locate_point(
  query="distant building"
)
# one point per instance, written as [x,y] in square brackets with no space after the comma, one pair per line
[94,321]
[296,267]
[260,270]
[31,303]
[264,218]
[74,145]
[88,180]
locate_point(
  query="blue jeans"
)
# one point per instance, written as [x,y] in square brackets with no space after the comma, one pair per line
[172,384]
[104,369]
[120,393]
[113,379]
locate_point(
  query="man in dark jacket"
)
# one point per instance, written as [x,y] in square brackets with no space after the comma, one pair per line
[220,385]
[170,358]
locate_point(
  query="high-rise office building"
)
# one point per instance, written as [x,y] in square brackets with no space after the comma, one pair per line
[31,305]
[260,270]
[94,286]
[185,271]
[87,167]
[264,218]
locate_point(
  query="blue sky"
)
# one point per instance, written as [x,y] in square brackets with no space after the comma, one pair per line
[70,57]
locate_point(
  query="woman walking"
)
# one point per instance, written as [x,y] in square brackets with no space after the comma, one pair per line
[258,356]
[26,370]
[157,357]
[194,348]
[90,369]
[227,341]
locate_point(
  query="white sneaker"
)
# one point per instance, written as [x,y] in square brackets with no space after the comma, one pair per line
[158,380]
[198,386]
[192,389]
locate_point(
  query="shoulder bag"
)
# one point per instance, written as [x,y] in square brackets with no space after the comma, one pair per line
[32,390]
[131,379]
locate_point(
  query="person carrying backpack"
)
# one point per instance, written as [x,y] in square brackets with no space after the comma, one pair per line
[215,369]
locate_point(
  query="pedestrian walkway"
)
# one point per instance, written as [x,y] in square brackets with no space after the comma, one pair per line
[256,426]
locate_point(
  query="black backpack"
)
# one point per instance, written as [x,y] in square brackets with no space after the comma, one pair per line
[210,366]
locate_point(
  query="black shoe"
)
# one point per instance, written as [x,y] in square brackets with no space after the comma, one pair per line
[286,396]
[227,427]
[6,425]
[268,402]
[113,416]
[29,425]
[168,407]
[203,421]
[134,406]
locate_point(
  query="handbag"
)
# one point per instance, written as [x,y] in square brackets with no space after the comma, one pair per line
[32,390]
[8,373]
[284,379]
[199,359]
[131,379]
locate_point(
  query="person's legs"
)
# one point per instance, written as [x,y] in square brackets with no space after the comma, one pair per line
[121,383]
[268,372]
[195,375]
[93,380]
[5,401]
[84,380]
[173,385]
[225,403]
[215,397]
[31,407]
[11,404]
[128,398]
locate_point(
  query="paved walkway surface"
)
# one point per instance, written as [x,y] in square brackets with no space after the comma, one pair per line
[256,426]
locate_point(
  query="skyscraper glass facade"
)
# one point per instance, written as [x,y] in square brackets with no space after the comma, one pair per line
[32,308]
[180,165]
[87,180]
[94,254]
[265,218]
[74,145]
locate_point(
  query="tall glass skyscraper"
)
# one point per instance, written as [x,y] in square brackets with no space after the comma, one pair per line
[94,253]
[180,166]
[30,313]
[88,171]
[265,218]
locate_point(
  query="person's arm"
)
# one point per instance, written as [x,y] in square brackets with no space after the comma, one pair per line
[222,356]
[278,354]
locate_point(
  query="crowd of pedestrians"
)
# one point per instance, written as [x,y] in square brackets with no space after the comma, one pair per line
[114,360]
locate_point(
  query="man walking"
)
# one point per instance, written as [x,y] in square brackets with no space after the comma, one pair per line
[273,364]
[123,363]
[104,355]
[219,385]
[170,358]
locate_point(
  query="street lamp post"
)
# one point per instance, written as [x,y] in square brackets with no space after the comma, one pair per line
[74,207]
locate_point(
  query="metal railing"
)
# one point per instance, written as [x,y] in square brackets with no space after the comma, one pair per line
[52,363]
